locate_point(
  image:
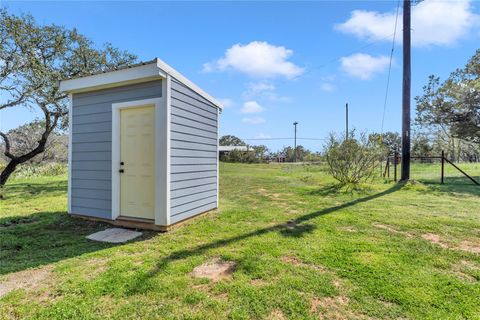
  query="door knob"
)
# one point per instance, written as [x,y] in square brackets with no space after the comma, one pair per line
[121,171]
[122,163]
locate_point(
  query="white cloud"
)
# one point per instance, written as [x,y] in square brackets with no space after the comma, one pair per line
[254,120]
[327,87]
[252,107]
[433,23]
[263,136]
[364,66]
[226,102]
[263,91]
[255,88]
[257,59]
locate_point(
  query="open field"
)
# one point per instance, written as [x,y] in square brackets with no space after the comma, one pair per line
[302,249]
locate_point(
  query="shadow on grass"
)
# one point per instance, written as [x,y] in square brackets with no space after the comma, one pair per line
[25,190]
[292,228]
[454,185]
[337,188]
[46,237]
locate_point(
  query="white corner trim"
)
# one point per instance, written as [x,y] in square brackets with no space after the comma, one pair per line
[112,79]
[218,157]
[167,149]
[177,75]
[70,143]
[159,187]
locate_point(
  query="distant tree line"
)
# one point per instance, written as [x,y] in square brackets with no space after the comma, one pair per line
[25,137]
[260,153]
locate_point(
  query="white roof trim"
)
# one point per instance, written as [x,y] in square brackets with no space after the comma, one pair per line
[143,73]
[111,79]
[177,75]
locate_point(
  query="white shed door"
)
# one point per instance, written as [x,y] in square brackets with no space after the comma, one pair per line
[137,145]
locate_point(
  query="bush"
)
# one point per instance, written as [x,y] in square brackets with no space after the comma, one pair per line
[37,170]
[240,156]
[351,161]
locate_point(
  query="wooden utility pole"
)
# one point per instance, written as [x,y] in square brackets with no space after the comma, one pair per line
[295,143]
[346,121]
[406,92]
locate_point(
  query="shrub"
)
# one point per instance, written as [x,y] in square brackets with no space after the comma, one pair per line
[351,160]
[37,170]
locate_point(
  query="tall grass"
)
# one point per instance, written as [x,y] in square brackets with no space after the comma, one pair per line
[38,170]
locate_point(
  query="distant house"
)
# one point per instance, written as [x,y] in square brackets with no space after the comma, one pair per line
[281,157]
[143,146]
[225,150]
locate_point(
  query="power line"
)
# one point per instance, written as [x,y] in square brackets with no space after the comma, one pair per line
[292,138]
[389,70]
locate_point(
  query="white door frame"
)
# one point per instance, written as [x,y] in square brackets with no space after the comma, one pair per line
[161,155]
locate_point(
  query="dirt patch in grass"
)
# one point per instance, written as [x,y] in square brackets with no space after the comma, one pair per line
[96,267]
[348,229]
[334,308]
[297,262]
[292,260]
[464,270]
[391,229]
[276,315]
[435,239]
[331,308]
[469,246]
[31,279]
[465,245]
[258,282]
[214,270]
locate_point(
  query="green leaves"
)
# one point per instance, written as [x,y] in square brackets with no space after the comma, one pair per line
[453,105]
[33,59]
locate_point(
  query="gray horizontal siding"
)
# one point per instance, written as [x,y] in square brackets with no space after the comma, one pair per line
[179,128]
[92,212]
[194,123]
[177,152]
[91,145]
[182,192]
[177,185]
[193,160]
[192,212]
[182,176]
[192,138]
[91,165]
[92,194]
[184,168]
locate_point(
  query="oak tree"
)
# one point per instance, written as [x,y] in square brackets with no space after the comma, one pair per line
[33,59]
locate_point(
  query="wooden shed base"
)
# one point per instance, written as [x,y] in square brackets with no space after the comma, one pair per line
[143,224]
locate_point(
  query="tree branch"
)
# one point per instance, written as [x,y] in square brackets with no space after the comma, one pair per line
[7,146]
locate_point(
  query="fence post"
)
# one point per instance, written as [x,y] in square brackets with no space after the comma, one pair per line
[395,158]
[443,166]
[388,166]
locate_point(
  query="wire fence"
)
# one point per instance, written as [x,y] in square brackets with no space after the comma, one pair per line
[434,169]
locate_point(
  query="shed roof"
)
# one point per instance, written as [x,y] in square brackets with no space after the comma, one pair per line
[130,74]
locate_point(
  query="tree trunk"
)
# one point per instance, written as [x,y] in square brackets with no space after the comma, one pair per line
[12,165]
[9,169]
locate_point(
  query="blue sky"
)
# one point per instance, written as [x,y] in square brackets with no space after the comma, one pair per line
[274,63]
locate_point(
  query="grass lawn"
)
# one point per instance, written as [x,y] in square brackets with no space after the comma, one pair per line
[303,249]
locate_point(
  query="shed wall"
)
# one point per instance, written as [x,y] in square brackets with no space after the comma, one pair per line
[193,172]
[91,181]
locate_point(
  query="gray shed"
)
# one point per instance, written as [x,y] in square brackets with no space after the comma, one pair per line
[143,146]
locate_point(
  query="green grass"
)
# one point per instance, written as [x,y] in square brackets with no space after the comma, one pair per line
[350,254]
